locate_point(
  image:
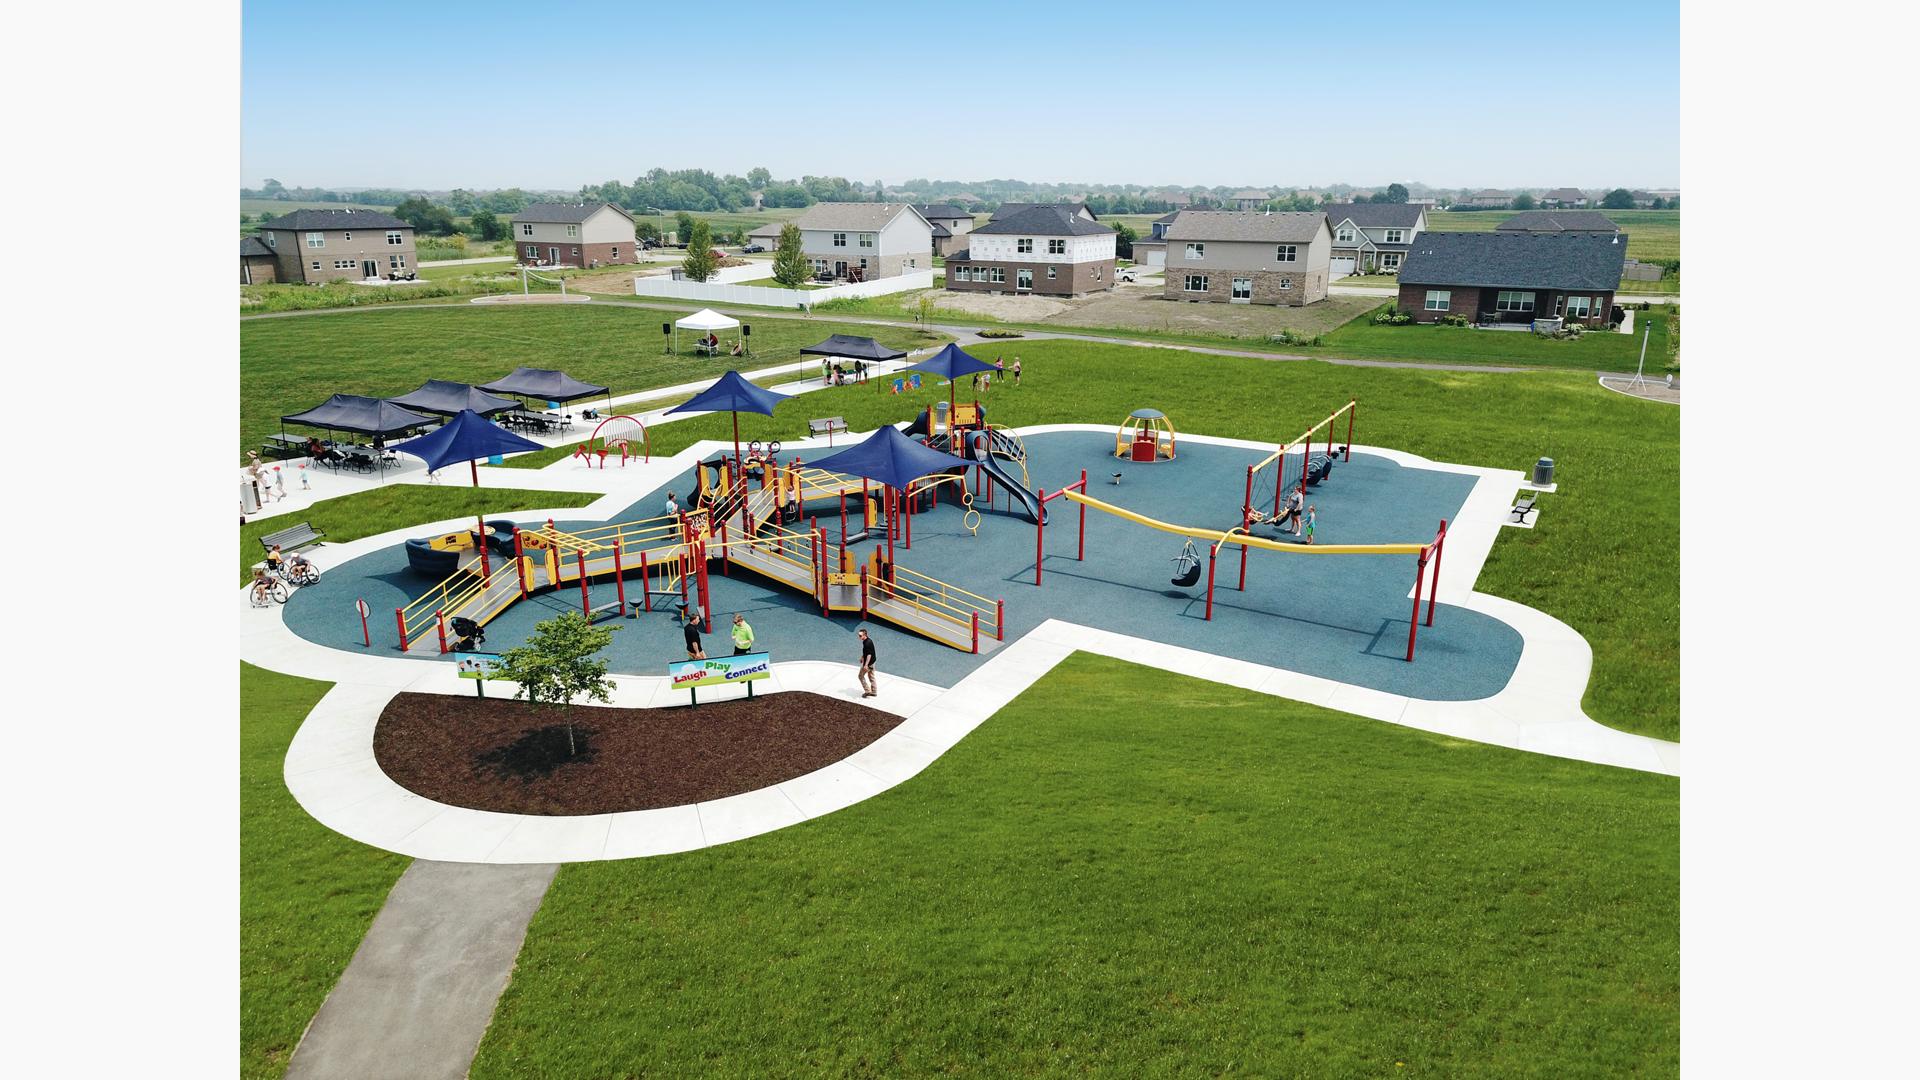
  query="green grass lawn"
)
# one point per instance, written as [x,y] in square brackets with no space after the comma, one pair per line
[307,894]
[1376,281]
[1652,235]
[368,513]
[1666,286]
[291,364]
[1595,351]
[1229,884]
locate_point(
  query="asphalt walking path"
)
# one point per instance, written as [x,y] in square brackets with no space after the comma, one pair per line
[420,991]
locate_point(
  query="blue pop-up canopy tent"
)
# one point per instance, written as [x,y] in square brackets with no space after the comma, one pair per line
[734,394]
[467,437]
[448,398]
[950,363]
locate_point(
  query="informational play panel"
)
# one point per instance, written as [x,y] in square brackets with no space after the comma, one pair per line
[477,665]
[720,671]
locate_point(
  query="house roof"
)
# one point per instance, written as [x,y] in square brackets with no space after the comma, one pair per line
[322,220]
[1489,193]
[941,230]
[771,228]
[1515,260]
[565,213]
[1009,209]
[941,210]
[1043,219]
[1167,218]
[1369,215]
[1293,225]
[1554,221]
[253,245]
[1565,194]
[853,216]
[1250,193]
[960,256]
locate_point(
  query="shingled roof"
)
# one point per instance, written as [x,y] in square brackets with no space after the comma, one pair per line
[941,210]
[1374,215]
[564,213]
[323,220]
[1522,260]
[1293,225]
[852,216]
[1008,209]
[251,246]
[1043,219]
[1557,221]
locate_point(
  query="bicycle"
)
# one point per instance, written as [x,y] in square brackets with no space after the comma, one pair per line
[271,590]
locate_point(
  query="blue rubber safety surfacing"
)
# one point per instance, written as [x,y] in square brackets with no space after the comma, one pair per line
[1340,617]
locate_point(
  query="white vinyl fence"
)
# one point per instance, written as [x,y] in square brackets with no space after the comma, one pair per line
[764,296]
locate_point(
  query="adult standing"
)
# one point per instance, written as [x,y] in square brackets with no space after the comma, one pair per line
[1016,373]
[695,650]
[742,635]
[868,686]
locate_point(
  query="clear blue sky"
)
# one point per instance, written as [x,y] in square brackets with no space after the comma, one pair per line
[484,95]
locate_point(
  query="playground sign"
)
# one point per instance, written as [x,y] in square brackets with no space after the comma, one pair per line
[478,665]
[720,671]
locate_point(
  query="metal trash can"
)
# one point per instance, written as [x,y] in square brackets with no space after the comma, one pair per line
[941,421]
[249,497]
[1543,472]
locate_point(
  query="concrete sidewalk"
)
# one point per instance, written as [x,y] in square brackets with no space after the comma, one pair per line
[420,990]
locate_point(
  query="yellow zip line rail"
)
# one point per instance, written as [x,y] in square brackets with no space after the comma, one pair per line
[1216,536]
[1306,438]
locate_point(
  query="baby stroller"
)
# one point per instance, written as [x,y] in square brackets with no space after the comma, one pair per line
[468,635]
[1186,566]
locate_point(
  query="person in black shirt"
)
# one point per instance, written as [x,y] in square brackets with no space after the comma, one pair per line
[868,687]
[695,651]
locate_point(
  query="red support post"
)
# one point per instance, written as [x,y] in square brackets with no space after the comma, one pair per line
[976,630]
[1419,580]
[440,620]
[646,581]
[519,563]
[400,619]
[863,591]
[908,516]
[888,501]
[999,620]
[726,565]
[843,517]
[619,577]
[1439,548]
[706,596]
[1279,477]
[1040,537]
[1083,518]
[485,570]
[1213,552]
[586,600]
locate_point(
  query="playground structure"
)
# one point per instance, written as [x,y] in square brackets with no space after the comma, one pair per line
[735,522]
[1312,469]
[621,432]
[1146,435]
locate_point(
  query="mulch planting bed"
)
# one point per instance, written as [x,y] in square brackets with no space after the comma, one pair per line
[508,756]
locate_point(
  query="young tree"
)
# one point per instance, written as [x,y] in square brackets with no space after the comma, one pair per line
[789,265]
[924,308]
[557,665]
[1397,193]
[1123,238]
[488,225]
[1523,201]
[699,264]
[1617,199]
[683,227]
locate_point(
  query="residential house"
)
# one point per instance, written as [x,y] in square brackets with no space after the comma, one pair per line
[1565,198]
[1427,201]
[1372,237]
[1226,256]
[1047,249]
[1151,249]
[311,247]
[865,240]
[951,224]
[1250,199]
[1176,199]
[256,261]
[1584,222]
[1076,208]
[574,234]
[965,198]
[1512,277]
[1488,197]
[767,236]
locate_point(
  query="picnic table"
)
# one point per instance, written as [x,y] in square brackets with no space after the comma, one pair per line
[282,445]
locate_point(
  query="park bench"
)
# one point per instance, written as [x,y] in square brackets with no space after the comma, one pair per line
[827,426]
[292,539]
[1520,511]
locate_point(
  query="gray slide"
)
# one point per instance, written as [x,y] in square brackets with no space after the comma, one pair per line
[1028,500]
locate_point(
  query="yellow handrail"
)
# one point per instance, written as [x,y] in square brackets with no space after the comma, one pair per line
[1219,537]
[944,587]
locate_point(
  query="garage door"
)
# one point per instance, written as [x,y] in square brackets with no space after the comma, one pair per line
[1156,257]
[1340,268]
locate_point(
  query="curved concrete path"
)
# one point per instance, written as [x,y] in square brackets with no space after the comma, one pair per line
[331,771]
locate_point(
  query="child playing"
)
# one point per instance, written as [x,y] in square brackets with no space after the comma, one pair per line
[1309,524]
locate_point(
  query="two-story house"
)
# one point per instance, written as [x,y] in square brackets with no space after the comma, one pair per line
[315,246]
[1372,237]
[1249,199]
[1580,222]
[1226,256]
[1071,206]
[865,240]
[1564,198]
[1488,197]
[951,224]
[1151,249]
[1494,277]
[573,234]
[1043,250]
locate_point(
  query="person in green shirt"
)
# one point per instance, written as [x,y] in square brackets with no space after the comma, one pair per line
[742,635]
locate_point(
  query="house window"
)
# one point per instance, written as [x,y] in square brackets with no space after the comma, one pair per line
[1389,260]
[525,230]
[1098,271]
[270,242]
[348,236]
[1513,301]
[1396,236]
[1024,280]
[576,253]
[1243,288]
[1196,283]
[1196,251]
[1024,245]
[343,264]
[316,264]
[1056,247]
[1286,283]
[1053,272]
[863,264]
[911,264]
[1438,299]
[613,252]
[397,262]
[866,239]
[1579,307]
[999,275]
[1286,253]
[839,239]
[1345,235]
[573,230]
[316,239]
[396,237]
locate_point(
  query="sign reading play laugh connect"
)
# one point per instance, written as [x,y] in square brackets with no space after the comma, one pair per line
[720,670]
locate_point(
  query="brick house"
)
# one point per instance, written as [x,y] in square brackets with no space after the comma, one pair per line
[877,239]
[311,247]
[1581,222]
[573,234]
[1043,250]
[1512,277]
[1151,249]
[256,261]
[1227,256]
[1369,237]
[951,224]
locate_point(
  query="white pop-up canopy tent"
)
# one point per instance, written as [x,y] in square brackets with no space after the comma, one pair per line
[705,321]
